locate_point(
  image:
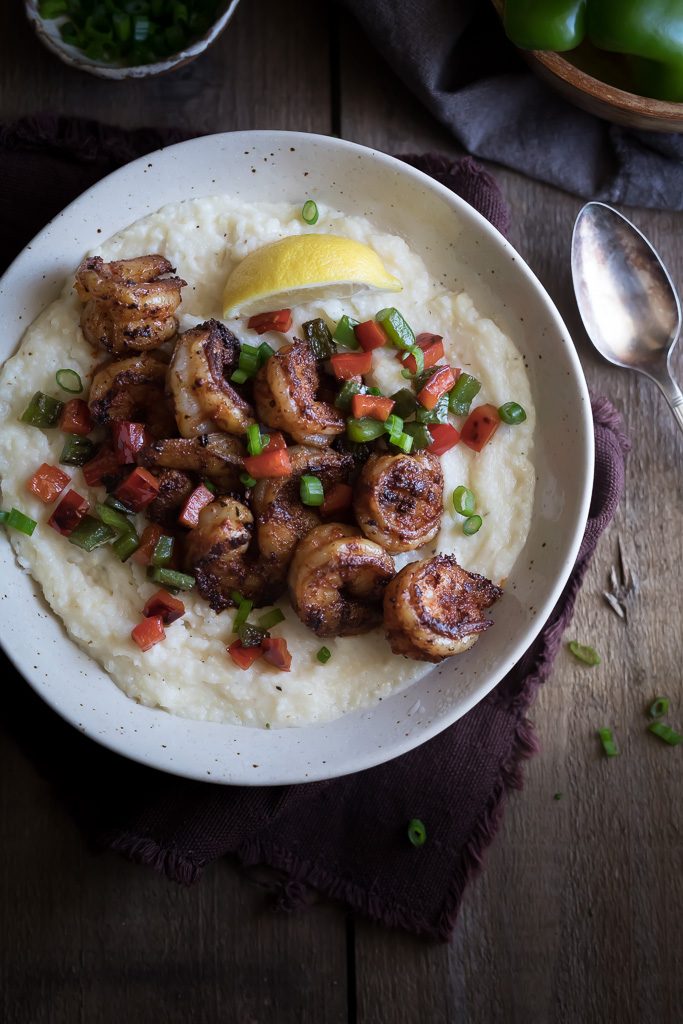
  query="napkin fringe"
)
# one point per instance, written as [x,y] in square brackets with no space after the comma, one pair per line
[167,861]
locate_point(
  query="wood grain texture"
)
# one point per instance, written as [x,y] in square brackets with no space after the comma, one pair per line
[577,916]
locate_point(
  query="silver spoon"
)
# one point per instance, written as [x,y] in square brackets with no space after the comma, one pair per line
[626,299]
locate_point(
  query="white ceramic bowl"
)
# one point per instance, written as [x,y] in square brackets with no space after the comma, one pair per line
[47,30]
[452,237]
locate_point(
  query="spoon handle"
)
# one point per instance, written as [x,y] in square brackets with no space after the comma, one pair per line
[674,396]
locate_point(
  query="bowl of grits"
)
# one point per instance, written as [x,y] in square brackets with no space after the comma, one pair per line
[360,249]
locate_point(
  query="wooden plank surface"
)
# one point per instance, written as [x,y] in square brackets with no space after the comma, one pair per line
[576,917]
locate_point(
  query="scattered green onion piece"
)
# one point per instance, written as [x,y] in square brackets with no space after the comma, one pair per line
[393,425]
[417,833]
[344,333]
[439,414]
[588,655]
[163,550]
[265,351]
[666,733]
[557,796]
[324,655]
[364,429]
[16,520]
[346,392]
[4,516]
[236,597]
[114,502]
[77,450]
[420,435]
[309,212]
[404,403]
[419,357]
[402,441]
[374,391]
[608,742]
[319,337]
[463,392]
[270,619]
[464,501]
[254,439]
[407,374]
[250,635]
[311,491]
[472,525]
[239,376]
[512,413]
[141,26]
[249,360]
[248,481]
[400,332]
[243,612]
[42,411]
[69,381]
[112,517]
[90,534]
[171,578]
[659,707]
[125,545]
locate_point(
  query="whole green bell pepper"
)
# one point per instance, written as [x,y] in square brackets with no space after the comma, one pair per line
[649,31]
[545,24]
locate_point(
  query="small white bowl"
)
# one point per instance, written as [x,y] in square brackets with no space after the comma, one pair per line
[456,243]
[47,31]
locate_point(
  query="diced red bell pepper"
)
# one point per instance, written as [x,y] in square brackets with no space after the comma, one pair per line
[275,651]
[104,464]
[47,483]
[148,541]
[275,463]
[370,335]
[149,632]
[199,499]
[437,385]
[375,406]
[129,438]
[480,426]
[138,489]
[351,364]
[244,657]
[277,440]
[337,499]
[68,513]
[432,349]
[444,437]
[278,320]
[165,605]
[75,417]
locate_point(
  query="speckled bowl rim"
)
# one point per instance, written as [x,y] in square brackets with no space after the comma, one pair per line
[72,683]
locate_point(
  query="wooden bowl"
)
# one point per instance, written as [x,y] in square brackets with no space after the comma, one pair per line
[47,31]
[598,97]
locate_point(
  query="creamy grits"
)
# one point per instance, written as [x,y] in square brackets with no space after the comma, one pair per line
[99,599]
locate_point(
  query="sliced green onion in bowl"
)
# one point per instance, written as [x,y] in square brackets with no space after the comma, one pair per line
[588,655]
[659,707]
[16,520]
[255,440]
[69,381]
[419,357]
[472,525]
[512,413]
[464,501]
[247,480]
[311,491]
[393,425]
[163,551]
[265,351]
[417,833]
[243,611]
[403,441]
[171,578]
[239,376]
[608,742]
[270,619]
[324,655]
[42,411]
[309,212]
[666,733]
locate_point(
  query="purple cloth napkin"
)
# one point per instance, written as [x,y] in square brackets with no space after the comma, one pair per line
[346,838]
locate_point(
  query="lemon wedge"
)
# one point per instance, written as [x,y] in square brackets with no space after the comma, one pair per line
[303,268]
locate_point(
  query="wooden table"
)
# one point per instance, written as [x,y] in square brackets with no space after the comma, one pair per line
[577,916]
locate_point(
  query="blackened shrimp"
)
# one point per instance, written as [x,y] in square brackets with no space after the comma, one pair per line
[219,554]
[434,609]
[337,580]
[175,487]
[216,456]
[285,397]
[281,518]
[398,500]
[132,389]
[199,382]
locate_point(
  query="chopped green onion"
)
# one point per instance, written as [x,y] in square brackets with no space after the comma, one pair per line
[141,26]
[472,525]
[404,403]
[393,425]
[77,450]
[608,743]
[666,733]
[309,212]
[319,337]
[265,351]
[344,333]
[464,501]
[417,833]
[42,411]
[125,545]
[399,331]
[659,707]
[112,517]
[346,392]
[249,362]
[420,435]
[403,441]
[70,381]
[239,376]
[557,796]
[270,619]
[171,578]
[439,414]
[311,490]
[364,429]
[419,357]
[512,413]
[236,597]
[163,550]
[90,534]
[16,520]
[463,392]
[122,25]
[248,481]
[324,655]
[255,442]
[588,655]
[250,635]
[243,611]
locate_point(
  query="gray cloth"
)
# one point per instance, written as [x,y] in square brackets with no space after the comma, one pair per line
[454,56]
